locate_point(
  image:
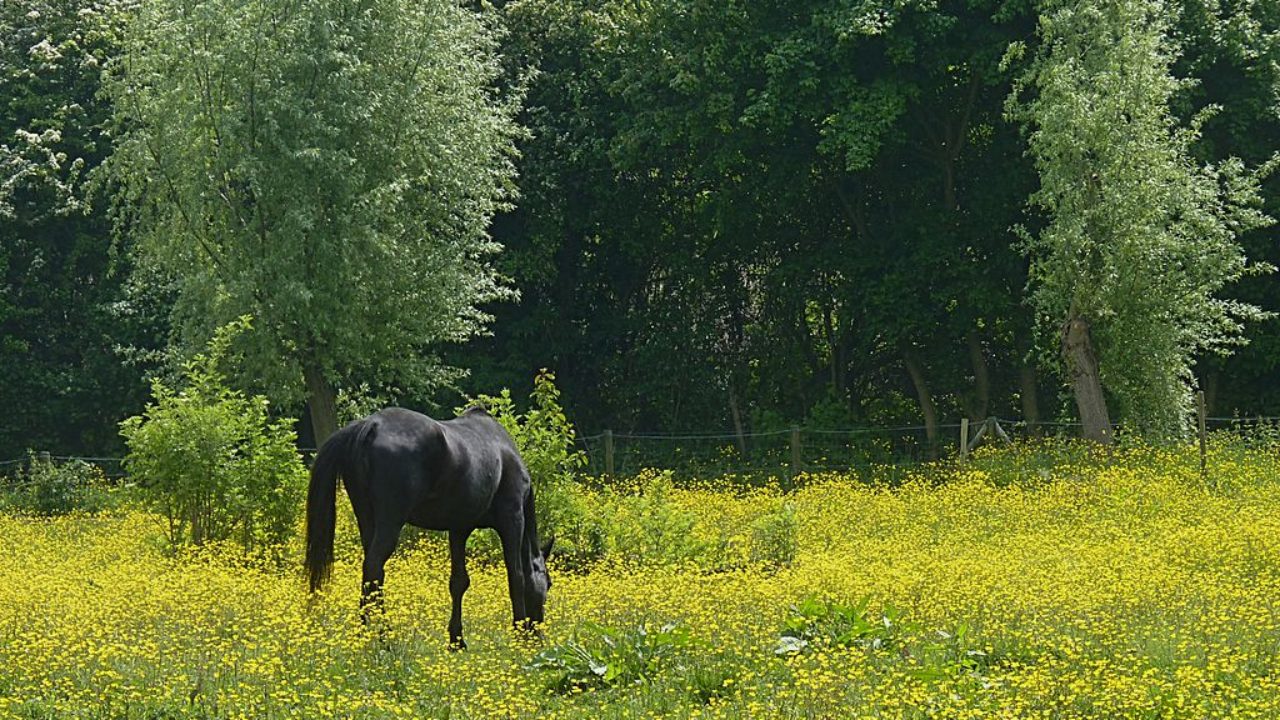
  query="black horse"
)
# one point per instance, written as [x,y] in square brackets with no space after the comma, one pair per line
[401,467]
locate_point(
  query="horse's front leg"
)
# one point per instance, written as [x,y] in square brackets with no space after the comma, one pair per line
[459,581]
[511,532]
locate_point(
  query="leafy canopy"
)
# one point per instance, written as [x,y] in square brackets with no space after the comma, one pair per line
[1142,238]
[330,167]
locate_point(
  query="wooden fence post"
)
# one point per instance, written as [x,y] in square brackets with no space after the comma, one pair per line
[795,451]
[964,438]
[608,453]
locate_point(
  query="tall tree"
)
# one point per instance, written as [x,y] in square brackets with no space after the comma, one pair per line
[1233,50]
[783,206]
[65,384]
[1141,238]
[329,167]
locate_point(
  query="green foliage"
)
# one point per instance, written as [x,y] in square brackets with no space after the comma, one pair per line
[644,527]
[211,460]
[887,636]
[634,524]
[331,168]
[599,656]
[775,537]
[830,413]
[63,315]
[47,487]
[543,432]
[731,214]
[545,438]
[946,654]
[52,54]
[1142,237]
[813,622]
[683,151]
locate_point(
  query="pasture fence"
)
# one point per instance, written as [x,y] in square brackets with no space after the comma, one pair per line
[13,471]
[890,452]
[787,452]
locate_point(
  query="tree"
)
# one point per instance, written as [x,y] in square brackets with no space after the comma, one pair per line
[1231,49]
[751,209]
[61,294]
[1141,238]
[330,168]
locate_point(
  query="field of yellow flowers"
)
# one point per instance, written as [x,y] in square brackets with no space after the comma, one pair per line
[1013,586]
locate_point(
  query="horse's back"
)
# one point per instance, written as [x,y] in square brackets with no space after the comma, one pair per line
[441,474]
[478,431]
[397,425]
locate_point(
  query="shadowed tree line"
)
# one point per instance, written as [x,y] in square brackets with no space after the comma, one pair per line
[756,214]
[730,215]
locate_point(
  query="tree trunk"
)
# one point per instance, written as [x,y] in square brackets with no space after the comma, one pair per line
[927,407]
[1029,392]
[1028,378]
[736,412]
[321,401]
[1086,381]
[949,185]
[981,378]
[1211,383]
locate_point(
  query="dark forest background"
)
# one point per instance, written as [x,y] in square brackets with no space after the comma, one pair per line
[733,216]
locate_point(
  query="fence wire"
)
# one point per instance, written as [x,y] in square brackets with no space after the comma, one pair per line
[773,453]
[13,472]
[785,452]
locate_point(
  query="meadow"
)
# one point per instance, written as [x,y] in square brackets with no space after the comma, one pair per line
[1026,583]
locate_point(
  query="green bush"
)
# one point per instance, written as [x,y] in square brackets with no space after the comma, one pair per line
[775,537]
[211,461]
[546,441]
[642,526]
[543,433]
[46,487]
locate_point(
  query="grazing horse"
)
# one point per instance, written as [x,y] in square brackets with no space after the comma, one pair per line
[401,467]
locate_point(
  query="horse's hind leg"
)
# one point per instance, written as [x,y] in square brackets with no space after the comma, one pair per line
[459,581]
[380,547]
[511,532]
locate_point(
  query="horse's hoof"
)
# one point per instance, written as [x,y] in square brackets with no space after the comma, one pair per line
[456,645]
[528,631]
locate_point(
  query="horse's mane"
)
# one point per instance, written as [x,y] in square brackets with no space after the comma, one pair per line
[475,408]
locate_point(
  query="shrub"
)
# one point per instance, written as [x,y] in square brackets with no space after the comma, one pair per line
[775,537]
[211,461]
[543,433]
[545,438]
[644,526]
[46,487]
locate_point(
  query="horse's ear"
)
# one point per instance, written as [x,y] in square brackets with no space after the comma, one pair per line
[546,547]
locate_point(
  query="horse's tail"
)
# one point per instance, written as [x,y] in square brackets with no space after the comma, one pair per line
[334,458]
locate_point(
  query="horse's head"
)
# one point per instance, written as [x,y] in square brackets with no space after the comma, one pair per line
[535,599]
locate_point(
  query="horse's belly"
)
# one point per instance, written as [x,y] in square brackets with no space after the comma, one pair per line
[455,514]
[459,501]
